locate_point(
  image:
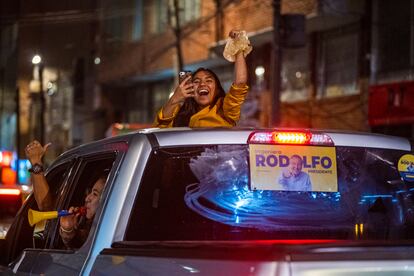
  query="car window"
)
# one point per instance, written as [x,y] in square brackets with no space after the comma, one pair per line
[21,235]
[203,193]
[90,170]
[55,178]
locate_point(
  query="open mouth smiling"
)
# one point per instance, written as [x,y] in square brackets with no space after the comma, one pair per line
[203,92]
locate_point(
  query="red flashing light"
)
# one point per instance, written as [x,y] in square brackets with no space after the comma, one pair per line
[8,176]
[9,191]
[290,138]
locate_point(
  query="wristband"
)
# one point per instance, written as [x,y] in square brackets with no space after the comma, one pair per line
[36,168]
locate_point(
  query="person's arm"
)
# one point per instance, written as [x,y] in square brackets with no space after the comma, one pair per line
[164,122]
[240,70]
[35,152]
[238,91]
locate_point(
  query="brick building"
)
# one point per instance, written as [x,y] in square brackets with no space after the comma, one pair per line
[354,72]
[141,64]
[351,47]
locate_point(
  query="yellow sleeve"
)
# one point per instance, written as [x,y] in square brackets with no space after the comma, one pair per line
[233,101]
[163,122]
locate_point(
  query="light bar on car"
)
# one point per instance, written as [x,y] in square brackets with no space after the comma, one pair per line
[290,138]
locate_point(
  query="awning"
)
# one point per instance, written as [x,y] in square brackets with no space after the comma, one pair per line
[168,73]
[391,104]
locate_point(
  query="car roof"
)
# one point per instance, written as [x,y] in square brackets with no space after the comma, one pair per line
[207,136]
[201,136]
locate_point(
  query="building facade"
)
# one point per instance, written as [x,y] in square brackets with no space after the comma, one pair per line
[325,83]
[346,64]
[55,95]
[8,75]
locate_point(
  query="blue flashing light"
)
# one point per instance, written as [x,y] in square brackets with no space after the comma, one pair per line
[376,196]
[22,173]
[13,162]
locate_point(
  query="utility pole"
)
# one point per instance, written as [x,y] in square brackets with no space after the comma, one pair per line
[42,105]
[219,20]
[177,32]
[18,141]
[275,81]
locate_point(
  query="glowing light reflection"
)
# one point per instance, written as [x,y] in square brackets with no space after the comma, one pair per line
[230,200]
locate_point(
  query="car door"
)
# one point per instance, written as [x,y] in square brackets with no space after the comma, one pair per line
[56,258]
[25,240]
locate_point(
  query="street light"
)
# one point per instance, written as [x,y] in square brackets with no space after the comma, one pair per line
[38,68]
[36,59]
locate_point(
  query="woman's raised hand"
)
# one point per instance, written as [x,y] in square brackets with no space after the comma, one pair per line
[183,91]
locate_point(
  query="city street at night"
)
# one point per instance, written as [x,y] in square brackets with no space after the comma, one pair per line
[219,137]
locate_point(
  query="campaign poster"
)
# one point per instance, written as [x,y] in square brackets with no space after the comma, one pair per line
[293,168]
[406,167]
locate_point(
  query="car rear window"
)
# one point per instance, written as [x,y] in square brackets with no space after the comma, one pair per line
[204,193]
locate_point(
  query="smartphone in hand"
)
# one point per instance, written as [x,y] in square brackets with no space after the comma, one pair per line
[183,75]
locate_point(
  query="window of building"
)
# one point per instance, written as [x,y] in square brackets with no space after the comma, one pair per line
[161,92]
[295,75]
[157,19]
[162,15]
[137,21]
[337,62]
[189,10]
[138,105]
[113,28]
[394,39]
[123,20]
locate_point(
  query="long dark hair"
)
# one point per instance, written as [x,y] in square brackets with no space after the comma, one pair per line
[190,106]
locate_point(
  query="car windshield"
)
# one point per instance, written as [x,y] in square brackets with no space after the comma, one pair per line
[203,193]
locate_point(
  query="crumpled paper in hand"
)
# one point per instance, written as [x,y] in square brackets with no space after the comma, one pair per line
[234,45]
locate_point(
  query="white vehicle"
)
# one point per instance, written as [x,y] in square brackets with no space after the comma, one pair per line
[230,202]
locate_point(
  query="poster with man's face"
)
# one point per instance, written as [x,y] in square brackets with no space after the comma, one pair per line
[293,168]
